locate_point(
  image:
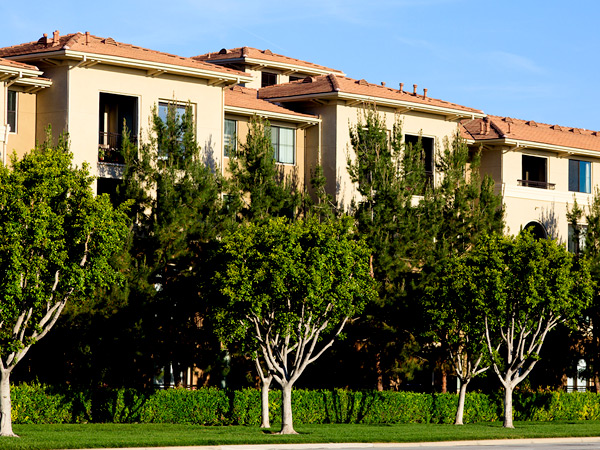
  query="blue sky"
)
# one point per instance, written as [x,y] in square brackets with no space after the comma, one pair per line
[529,59]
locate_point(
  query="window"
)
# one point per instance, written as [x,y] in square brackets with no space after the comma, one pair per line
[580,176]
[296,78]
[534,170]
[283,144]
[229,137]
[172,145]
[163,110]
[268,79]
[11,111]
[576,245]
[427,143]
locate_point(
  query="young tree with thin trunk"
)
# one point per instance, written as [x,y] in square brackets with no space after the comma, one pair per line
[292,287]
[456,323]
[530,287]
[57,242]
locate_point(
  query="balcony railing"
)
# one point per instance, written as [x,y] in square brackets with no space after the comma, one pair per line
[536,184]
[109,147]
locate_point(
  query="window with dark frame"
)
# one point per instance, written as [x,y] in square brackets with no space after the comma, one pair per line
[229,137]
[580,176]
[428,145]
[534,172]
[282,140]
[11,110]
[268,79]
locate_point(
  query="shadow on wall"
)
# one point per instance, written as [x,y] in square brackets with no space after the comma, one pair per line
[549,220]
[208,154]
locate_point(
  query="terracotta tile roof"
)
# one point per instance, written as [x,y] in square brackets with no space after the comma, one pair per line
[85,42]
[17,65]
[243,97]
[331,83]
[496,127]
[225,55]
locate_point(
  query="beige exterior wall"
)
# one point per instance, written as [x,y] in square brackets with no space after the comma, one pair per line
[24,138]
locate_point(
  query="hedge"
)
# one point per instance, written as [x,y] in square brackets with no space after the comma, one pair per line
[42,404]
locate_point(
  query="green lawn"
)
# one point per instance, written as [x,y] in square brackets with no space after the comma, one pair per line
[152,435]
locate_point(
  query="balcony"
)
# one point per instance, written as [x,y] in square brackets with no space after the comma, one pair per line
[536,184]
[109,147]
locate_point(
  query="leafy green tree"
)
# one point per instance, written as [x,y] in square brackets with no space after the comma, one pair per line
[178,213]
[258,189]
[530,287]
[456,322]
[291,287]
[388,175]
[57,242]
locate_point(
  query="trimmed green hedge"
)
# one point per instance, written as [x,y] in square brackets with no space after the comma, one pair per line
[41,404]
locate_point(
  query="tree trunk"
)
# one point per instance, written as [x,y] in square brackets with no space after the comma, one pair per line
[460,409]
[379,372]
[596,383]
[5,405]
[508,410]
[287,426]
[264,403]
[444,381]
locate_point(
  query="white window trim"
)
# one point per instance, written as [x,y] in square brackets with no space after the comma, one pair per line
[234,136]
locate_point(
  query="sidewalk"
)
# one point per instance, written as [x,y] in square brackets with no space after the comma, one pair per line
[357,445]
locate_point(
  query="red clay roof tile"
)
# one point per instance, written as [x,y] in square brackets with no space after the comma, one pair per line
[243,97]
[510,128]
[107,46]
[225,55]
[331,83]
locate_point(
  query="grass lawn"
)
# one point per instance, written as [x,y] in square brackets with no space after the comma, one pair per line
[152,435]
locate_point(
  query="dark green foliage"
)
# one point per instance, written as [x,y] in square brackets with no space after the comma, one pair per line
[206,406]
[258,188]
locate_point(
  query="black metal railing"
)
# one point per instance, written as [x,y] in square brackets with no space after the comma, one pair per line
[536,184]
[109,147]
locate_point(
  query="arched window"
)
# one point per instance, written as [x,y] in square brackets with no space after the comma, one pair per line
[537,230]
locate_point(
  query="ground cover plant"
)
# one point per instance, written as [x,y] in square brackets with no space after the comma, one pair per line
[49,437]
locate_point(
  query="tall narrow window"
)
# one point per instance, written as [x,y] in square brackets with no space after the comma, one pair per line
[283,144]
[11,111]
[580,176]
[229,137]
[427,144]
[178,120]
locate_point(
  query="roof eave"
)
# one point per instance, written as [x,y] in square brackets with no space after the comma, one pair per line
[401,105]
[523,144]
[153,68]
[271,115]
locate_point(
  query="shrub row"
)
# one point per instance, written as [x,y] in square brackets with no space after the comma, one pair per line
[41,404]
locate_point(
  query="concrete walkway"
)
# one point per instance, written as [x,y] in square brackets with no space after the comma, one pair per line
[588,442]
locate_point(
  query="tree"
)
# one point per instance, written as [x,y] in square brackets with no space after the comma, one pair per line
[57,240]
[258,190]
[530,287]
[258,187]
[292,287]
[388,175]
[456,323]
[178,212]
[463,207]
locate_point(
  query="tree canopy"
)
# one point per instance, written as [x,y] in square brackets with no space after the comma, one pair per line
[56,246]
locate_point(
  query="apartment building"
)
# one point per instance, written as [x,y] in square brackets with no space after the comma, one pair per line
[90,86]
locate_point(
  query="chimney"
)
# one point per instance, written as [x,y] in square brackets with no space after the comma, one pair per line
[415,89]
[87,38]
[424,94]
[401,88]
[481,127]
[383,83]
[55,37]
[487,125]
